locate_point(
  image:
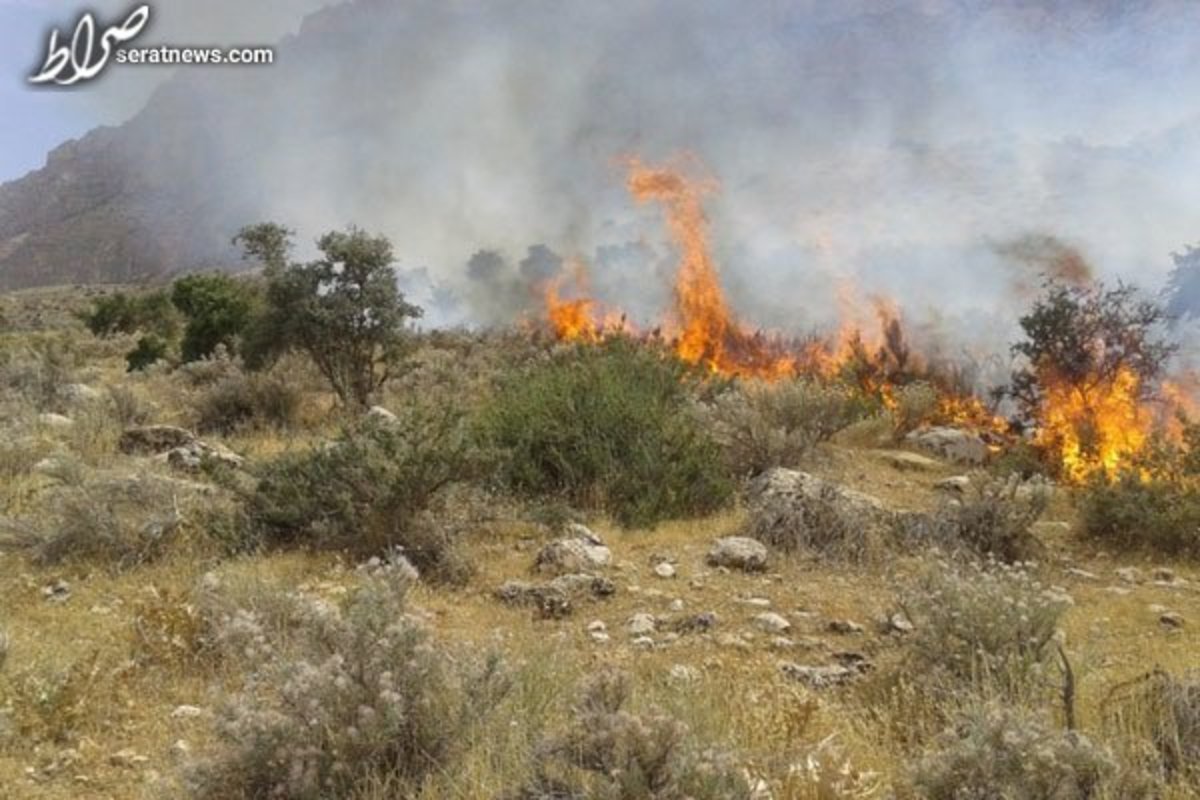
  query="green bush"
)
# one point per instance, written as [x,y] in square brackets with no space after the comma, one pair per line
[764,425]
[370,490]
[243,400]
[607,427]
[149,312]
[218,308]
[149,351]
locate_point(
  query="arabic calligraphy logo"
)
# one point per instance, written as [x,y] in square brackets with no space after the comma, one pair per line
[88,54]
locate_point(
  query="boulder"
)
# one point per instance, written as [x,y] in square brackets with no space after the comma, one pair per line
[770,622]
[154,439]
[195,455]
[738,552]
[641,625]
[583,551]
[954,444]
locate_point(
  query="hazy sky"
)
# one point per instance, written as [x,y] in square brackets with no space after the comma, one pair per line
[34,120]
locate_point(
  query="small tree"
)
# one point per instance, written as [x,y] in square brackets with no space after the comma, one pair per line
[1085,337]
[344,309]
[218,310]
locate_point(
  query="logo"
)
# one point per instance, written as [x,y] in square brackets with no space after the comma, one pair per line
[90,49]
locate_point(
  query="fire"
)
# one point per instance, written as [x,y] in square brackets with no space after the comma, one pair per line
[1094,427]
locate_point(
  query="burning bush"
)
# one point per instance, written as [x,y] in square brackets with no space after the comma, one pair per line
[608,427]
[1092,358]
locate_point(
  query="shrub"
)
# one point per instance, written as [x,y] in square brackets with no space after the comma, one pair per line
[793,511]
[149,312]
[993,519]
[607,427]
[998,752]
[915,403]
[762,425]
[35,370]
[370,490]
[150,350]
[218,309]
[344,310]
[609,753]
[358,695]
[988,626]
[241,400]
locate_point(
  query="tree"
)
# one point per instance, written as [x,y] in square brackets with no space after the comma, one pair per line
[344,309]
[218,309]
[149,312]
[1084,337]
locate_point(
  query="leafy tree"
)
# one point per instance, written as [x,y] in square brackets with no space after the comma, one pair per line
[122,313]
[343,309]
[1085,337]
[218,309]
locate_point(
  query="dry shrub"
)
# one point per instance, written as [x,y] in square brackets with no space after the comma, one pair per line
[169,629]
[996,752]
[242,400]
[356,695]
[45,705]
[762,425]
[610,753]
[35,369]
[1158,716]
[993,520]
[794,511]
[988,627]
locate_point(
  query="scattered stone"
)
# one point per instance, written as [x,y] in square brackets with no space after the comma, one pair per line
[187,712]
[580,585]
[664,570]
[1171,619]
[770,622]
[56,421]
[738,552]
[381,416]
[957,484]
[582,551]
[641,625]
[954,444]
[643,643]
[1129,574]
[676,605]
[599,637]
[756,602]
[1119,591]
[194,456]
[733,641]
[782,643]
[682,673]
[819,677]
[844,627]
[180,749]
[1157,608]
[896,623]
[57,592]
[1082,574]
[154,439]
[906,461]
[597,626]
[696,623]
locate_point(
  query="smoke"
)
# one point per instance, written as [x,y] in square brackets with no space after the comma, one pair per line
[878,143]
[1038,257]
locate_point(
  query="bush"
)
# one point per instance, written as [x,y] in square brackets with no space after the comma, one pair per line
[150,350]
[993,519]
[985,626]
[242,400]
[997,753]
[356,696]
[370,491]
[149,312]
[607,427]
[218,309]
[916,403]
[35,370]
[609,753]
[762,425]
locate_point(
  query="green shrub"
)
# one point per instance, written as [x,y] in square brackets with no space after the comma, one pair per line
[764,425]
[354,696]
[370,490]
[608,427]
[218,308]
[999,753]
[150,350]
[149,312]
[611,753]
[990,627]
[243,400]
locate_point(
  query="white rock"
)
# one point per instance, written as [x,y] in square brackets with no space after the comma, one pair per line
[664,570]
[738,552]
[187,712]
[771,622]
[641,625]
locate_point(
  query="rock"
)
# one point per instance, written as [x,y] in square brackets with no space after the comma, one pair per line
[757,602]
[664,570]
[770,622]
[906,461]
[791,509]
[643,643]
[738,552]
[581,552]
[1119,591]
[597,626]
[844,627]
[676,605]
[1171,619]
[580,585]
[641,625]
[381,416]
[733,641]
[954,444]
[57,592]
[187,712]
[696,623]
[555,599]
[957,484]
[1129,574]
[1081,574]
[154,439]
[56,421]
[896,623]
[127,759]
[599,637]
[682,673]
[181,750]
[819,677]
[196,455]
